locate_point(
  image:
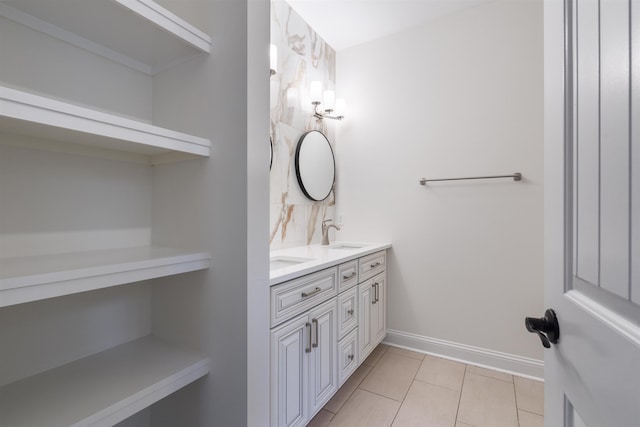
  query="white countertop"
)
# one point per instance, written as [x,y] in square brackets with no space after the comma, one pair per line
[321,257]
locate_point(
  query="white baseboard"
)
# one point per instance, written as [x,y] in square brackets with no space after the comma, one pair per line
[503,362]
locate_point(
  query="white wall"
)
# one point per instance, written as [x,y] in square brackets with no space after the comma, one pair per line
[458,96]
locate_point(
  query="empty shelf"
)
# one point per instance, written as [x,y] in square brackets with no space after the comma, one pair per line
[33,278]
[24,113]
[102,389]
[137,33]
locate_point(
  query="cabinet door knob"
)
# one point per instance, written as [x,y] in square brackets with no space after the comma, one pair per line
[350,357]
[350,312]
[375,264]
[349,276]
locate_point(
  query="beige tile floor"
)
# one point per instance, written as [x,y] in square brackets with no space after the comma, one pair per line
[402,388]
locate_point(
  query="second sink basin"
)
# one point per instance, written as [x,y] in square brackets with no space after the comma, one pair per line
[277,262]
[347,246]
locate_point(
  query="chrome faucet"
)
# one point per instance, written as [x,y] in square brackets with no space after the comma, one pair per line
[325,231]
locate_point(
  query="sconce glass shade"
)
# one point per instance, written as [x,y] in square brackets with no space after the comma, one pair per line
[329,100]
[315,92]
[293,97]
[273,59]
[341,107]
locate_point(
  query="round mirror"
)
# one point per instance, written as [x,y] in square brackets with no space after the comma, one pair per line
[315,165]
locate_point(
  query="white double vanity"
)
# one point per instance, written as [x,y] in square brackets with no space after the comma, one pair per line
[328,312]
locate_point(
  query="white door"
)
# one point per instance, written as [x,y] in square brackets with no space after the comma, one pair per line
[592,211]
[290,346]
[323,363]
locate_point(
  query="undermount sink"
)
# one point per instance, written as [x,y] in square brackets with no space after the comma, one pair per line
[277,262]
[347,246]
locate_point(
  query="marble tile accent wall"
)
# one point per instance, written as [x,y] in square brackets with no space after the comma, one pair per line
[302,57]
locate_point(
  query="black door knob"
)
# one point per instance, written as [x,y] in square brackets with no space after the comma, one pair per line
[546,327]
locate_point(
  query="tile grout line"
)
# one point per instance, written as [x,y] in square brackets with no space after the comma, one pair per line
[357,387]
[529,412]
[414,379]
[439,385]
[378,394]
[493,378]
[401,402]
[515,397]
[464,376]
[407,392]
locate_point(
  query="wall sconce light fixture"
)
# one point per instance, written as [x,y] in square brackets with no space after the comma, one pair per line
[328,101]
[273,59]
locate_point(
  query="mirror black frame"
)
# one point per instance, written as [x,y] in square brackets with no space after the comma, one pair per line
[297,162]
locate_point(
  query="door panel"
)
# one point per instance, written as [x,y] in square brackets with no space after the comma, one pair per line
[289,373]
[365,300]
[587,252]
[614,146]
[324,355]
[590,279]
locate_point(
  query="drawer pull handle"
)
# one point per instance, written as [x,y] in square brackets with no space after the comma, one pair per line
[349,276]
[313,292]
[315,321]
[308,349]
[350,312]
[350,357]
[376,264]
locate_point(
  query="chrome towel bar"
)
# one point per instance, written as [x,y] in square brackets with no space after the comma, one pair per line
[516,177]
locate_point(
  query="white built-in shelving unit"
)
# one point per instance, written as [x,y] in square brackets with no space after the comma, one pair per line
[139,34]
[102,389]
[107,387]
[33,278]
[37,116]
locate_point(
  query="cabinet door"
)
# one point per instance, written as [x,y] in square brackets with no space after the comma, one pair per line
[323,369]
[379,310]
[289,372]
[365,307]
[347,356]
[347,311]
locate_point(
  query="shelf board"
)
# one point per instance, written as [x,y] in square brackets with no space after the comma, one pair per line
[137,33]
[24,113]
[34,278]
[102,389]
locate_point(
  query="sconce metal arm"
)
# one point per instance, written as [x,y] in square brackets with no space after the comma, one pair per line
[326,114]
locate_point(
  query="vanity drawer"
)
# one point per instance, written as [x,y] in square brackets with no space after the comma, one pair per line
[347,311]
[371,265]
[348,275]
[347,356]
[296,296]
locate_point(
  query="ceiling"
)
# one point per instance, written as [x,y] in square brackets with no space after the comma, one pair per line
[346,23]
